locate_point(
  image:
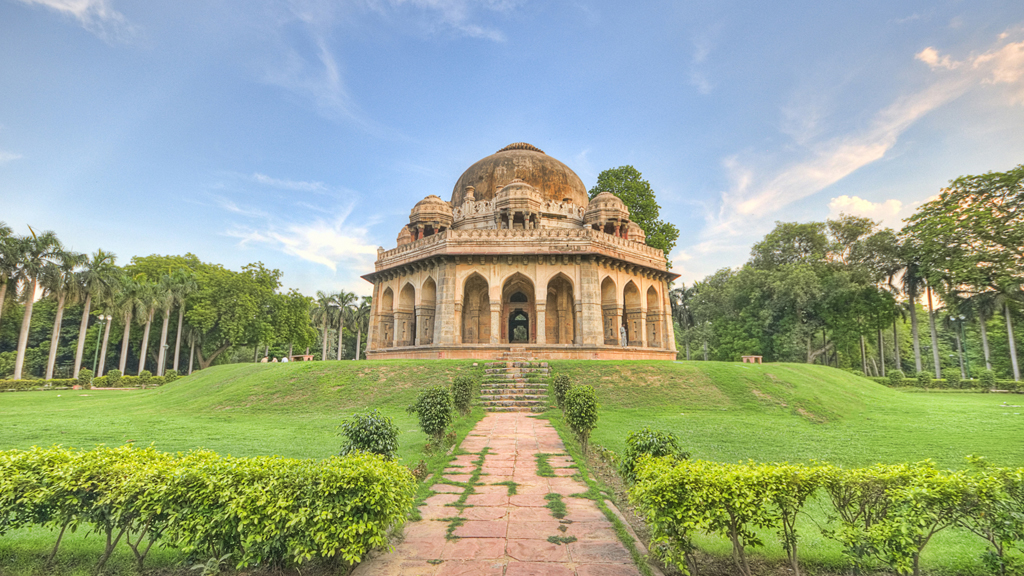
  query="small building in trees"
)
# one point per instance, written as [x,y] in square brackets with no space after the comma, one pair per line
[521,258]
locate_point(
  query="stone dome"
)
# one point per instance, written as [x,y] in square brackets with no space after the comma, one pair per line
[555,181]
[431,209]
[605,207]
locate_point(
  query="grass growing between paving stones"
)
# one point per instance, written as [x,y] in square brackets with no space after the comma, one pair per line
[561,539]
[544,468]
[555,504]
[512,486]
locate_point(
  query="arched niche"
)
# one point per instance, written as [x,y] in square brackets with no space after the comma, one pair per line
[633,314]
[425,313]
[386,331]
[405,316]
[560,311]
[655,330]
[518,312]
[476,311]
[610,311]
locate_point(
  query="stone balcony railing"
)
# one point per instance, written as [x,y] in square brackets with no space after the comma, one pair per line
[536,241]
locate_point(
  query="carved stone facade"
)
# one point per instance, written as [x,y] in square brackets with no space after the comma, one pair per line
[521,258]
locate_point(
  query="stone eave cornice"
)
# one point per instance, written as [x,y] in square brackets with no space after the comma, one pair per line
[454,245]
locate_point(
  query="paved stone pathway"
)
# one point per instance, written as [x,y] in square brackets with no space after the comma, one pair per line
[498,534]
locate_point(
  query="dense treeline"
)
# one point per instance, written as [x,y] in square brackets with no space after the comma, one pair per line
[62,311]
[941,295]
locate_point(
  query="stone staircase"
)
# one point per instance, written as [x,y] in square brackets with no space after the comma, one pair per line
[515,383]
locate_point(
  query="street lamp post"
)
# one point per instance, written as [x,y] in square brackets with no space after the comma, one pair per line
[96,356]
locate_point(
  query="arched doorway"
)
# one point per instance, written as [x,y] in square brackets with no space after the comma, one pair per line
[476,311]
[654,329]
[610,312]
[632,314]
[560,312]
[386,335]
[425,313]
[405,317]
[518,312]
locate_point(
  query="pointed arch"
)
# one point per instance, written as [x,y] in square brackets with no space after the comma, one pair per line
[610,311]
[425,312]
[560,311]
[476,310]
[405,316]
[633,314]
[386,310]
[518,310]
[655,329]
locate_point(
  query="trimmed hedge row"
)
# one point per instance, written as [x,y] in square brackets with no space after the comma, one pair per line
[101,382]
[883,514]
[264,511]
[943,384]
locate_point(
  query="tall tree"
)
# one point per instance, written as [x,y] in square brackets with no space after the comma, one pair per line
[97,278]
[184,286]
[148,299]
[166,288]
[10,258]
[322,314]
[679,298]
[60,282]
[343,300]
[37,251]
[628,184]
[359,320]
[1013,345]
[125,305]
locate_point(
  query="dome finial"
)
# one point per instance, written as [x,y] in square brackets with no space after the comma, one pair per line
[521,146]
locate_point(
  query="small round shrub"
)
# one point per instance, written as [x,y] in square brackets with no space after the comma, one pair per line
[953,379]
[581,412]
[144,377]
[435,410]
[85,378]
[157,381]
[896,378]
[648,442]
[924,379]
[370,432]
[561,385]
[462,393]
[987,381]
[100,382]
[113,378]
[170,376]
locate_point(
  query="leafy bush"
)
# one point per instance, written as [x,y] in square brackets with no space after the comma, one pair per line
[170,376]
[100,382]
[370,432]
[209,506]
[462,393]
[144,377]
[953,379]
[114,377]
[157,381]
[896,378]
[987,380]
[85,378]
[581,412]
[924,379]
[435,410]
[648,442]
[561,384]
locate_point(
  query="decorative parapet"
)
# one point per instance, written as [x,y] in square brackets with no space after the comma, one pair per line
[472,208]
[526,241]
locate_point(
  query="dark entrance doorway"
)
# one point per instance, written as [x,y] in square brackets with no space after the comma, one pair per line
[518,327]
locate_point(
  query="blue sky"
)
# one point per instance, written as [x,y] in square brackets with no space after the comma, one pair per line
[301,133]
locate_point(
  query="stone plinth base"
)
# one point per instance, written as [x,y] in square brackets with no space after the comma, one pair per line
[538,352]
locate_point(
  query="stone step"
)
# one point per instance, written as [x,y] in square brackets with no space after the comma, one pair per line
[514,390]
[523,403]
[512,397]
[514,408]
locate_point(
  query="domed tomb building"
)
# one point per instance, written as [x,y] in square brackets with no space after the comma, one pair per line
[519,258]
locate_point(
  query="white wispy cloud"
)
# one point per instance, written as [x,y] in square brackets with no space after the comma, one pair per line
[456,15]
[757,195]
[96,16]
[698,76]
[8,156]
[297,185]
[330,243]
[889,212]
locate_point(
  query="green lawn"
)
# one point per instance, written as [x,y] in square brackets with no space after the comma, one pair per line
[721,411]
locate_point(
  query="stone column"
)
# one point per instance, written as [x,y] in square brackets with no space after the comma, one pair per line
[542,325]
[643,328]
[669,337]
[577,332]
[589,319]
[495,321]
[447,316]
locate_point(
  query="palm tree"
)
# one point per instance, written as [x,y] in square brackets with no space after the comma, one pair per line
[679,298]
[911,282]
[165,299]
[360,320]
[935,335]
[194,336]
[1013,345]
[321,314]
[36,251]
[97,279]
[344,301]
[10,256]
[125,304]
[148,299]
[982,307]
[60,282]
[184,286]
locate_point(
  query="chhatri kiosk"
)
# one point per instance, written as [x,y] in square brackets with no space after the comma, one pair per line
[520,258]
